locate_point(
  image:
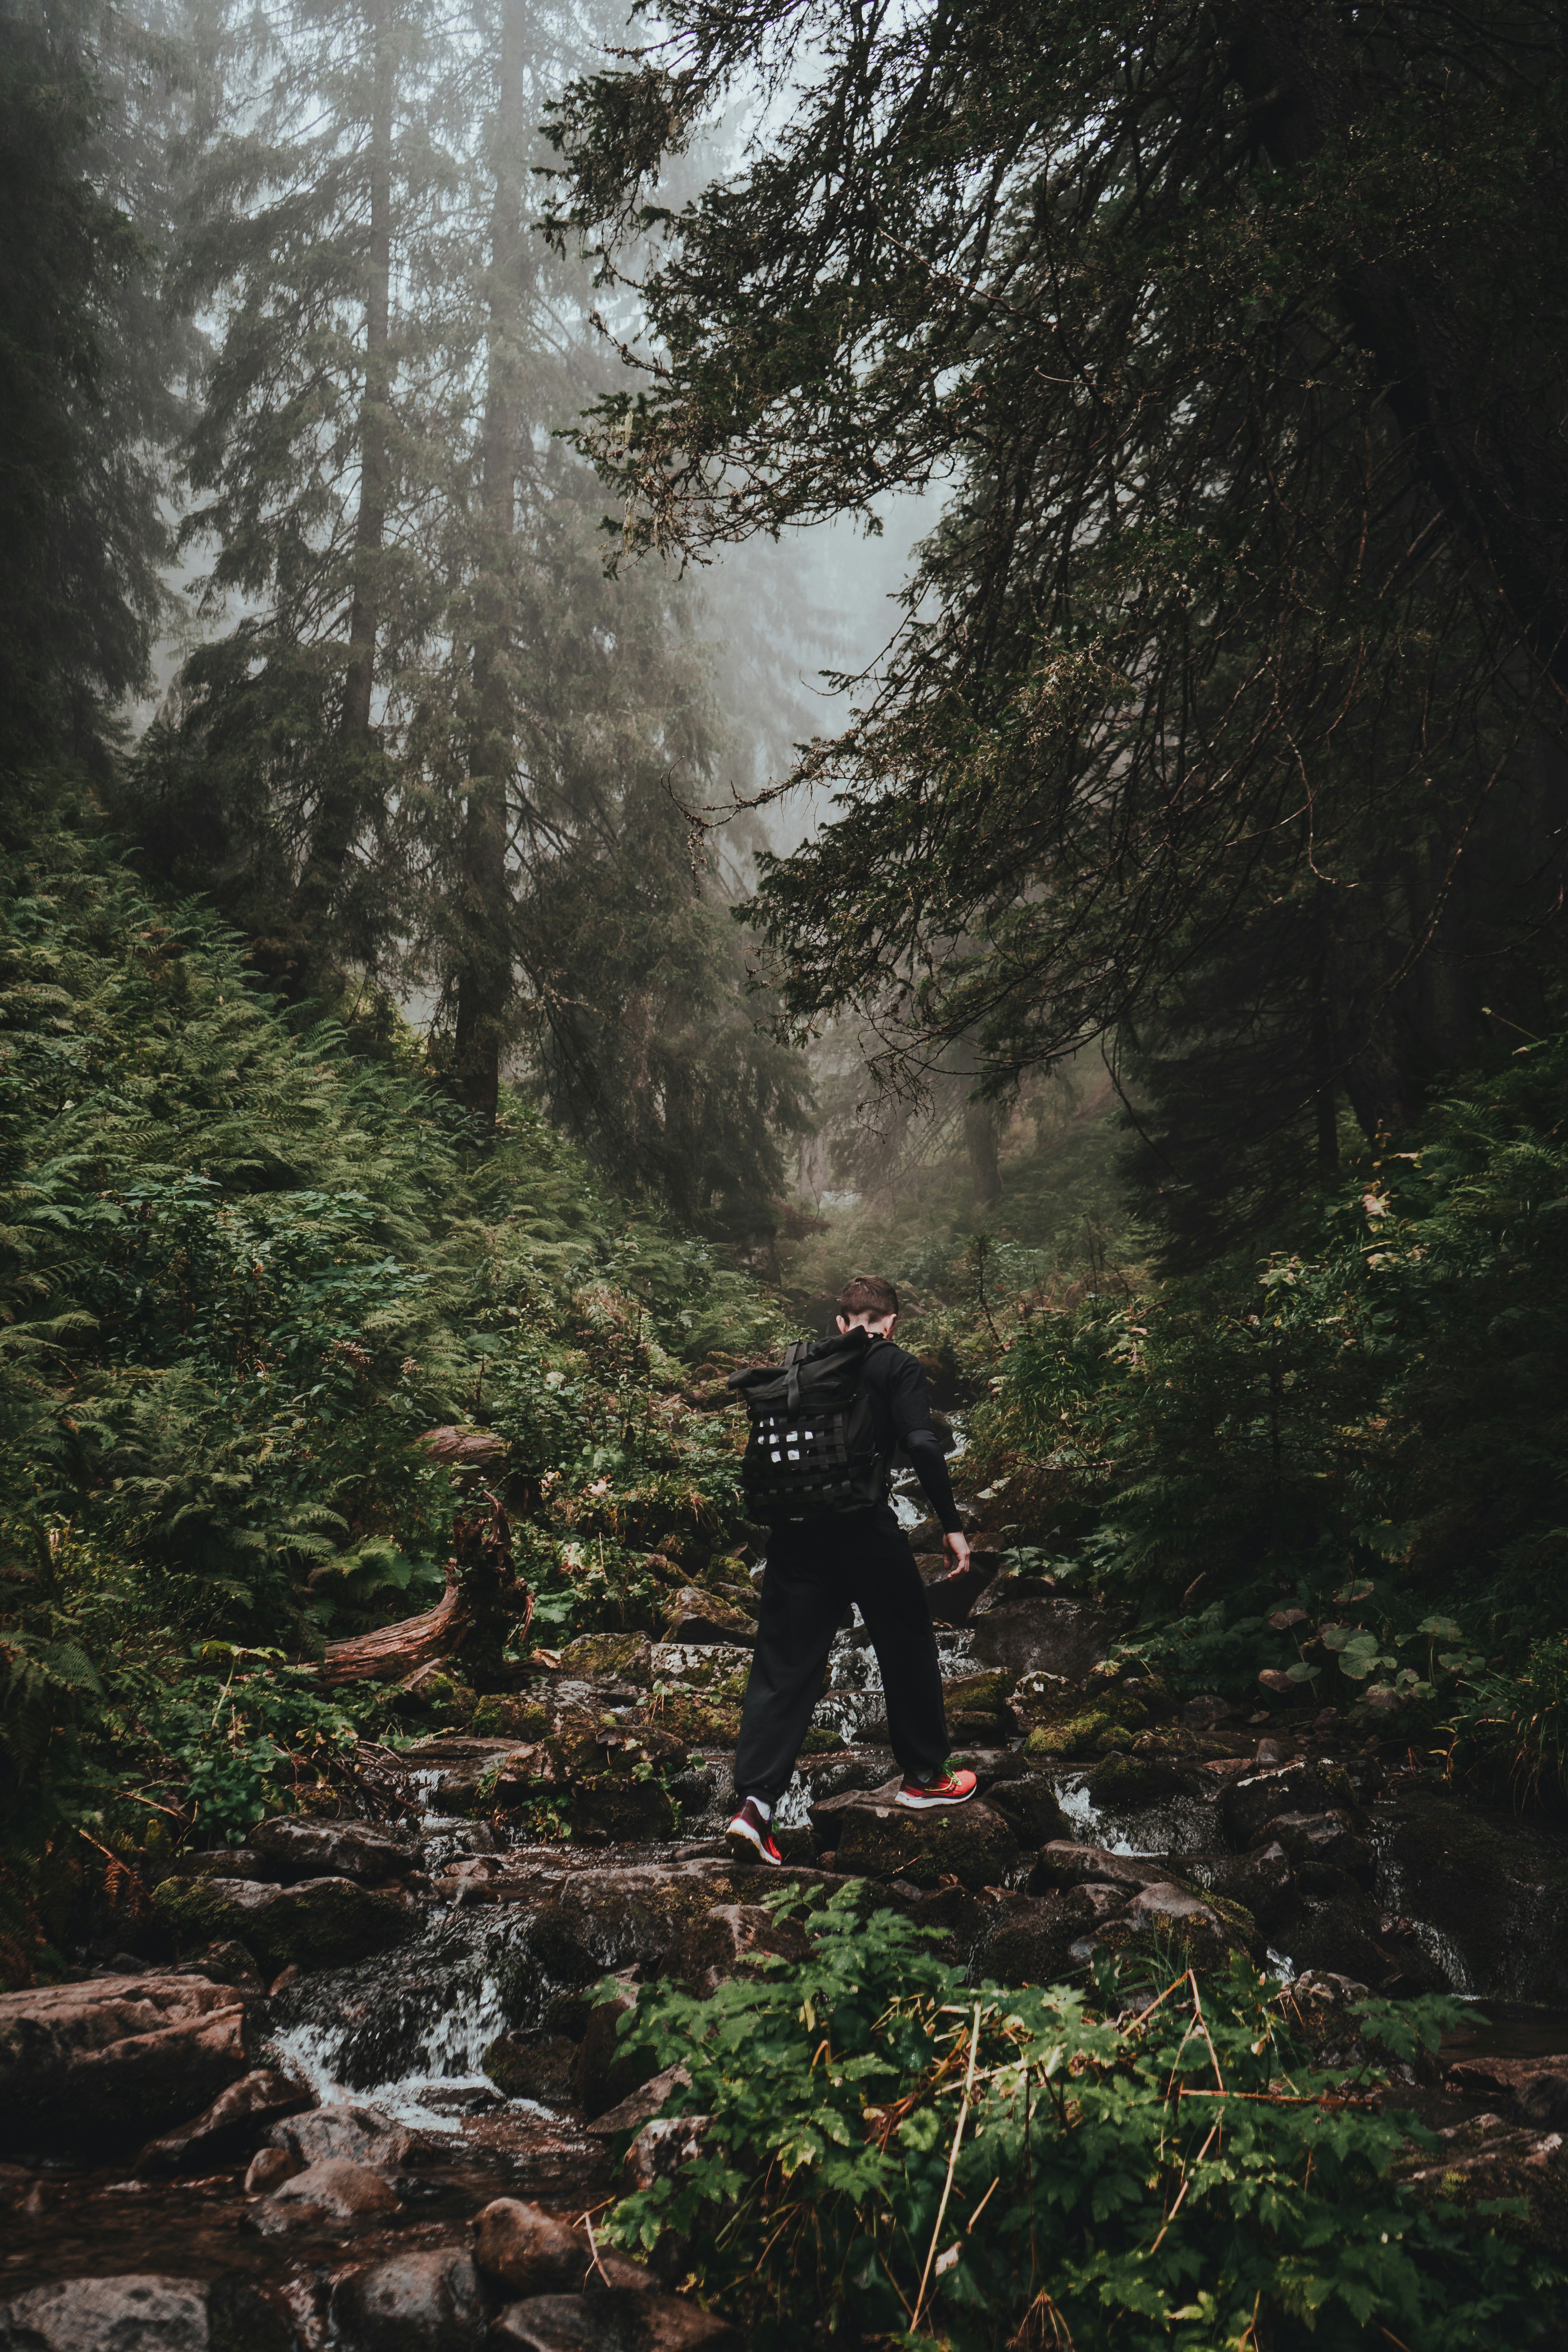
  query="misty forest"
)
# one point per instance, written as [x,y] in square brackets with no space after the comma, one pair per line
[649,662]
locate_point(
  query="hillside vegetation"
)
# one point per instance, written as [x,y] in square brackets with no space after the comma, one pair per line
[243,1272]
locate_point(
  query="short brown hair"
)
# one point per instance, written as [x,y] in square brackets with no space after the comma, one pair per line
[868,1295]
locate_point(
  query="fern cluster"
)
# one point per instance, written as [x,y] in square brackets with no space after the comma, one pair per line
[241,1271]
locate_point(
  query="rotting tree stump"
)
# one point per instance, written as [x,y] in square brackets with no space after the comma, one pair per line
[484,1608]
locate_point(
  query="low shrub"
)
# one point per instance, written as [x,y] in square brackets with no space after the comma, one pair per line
[922,2162]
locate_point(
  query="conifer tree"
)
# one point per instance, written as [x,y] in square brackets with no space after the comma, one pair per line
[1226,721]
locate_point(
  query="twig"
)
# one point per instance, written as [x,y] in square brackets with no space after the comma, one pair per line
[983,2204]
[951,2163]
[1186,2184]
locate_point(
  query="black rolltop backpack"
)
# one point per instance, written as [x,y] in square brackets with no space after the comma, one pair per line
[812,1449]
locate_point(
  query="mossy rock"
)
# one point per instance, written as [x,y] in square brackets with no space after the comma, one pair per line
[1124,1781]
[719,1670]
[972,1843]
[1075,1735]
[626,1657]
[623,1811]
[820,1740]
[984,1693]
[323,1923]
[510,1719]
[532,2064]
[695,1717]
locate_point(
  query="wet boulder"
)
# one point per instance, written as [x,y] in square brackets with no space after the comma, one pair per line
[1253,1802]
[718,1668]
[977,1710]
[292,1849]
[607,2071]
[730,1938]
[952,1593]
[1487,2156]
[533,2063]
[1344,1936]
[359,2134]
[94,2065]
[1045,1635]
[1121,1781]
[1330,1838]
[624,1657]
[1029,1804]
[1031,1942]
[231,2128]
[1063,1862]
[614,1809]
[144,2311]
[522,2250]
[1494,1888]
[615,2320]
[700,1619]
[1206,1928]
[337,2188]
[970,1843]
[321,1924]
[424,2301]
[1263,1880]
[1532,2090]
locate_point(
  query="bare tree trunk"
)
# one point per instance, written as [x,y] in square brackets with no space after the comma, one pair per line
[340,805]
[980,1140]
[484,964]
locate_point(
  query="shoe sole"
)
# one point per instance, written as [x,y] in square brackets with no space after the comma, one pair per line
[932,1804]
[743,1842]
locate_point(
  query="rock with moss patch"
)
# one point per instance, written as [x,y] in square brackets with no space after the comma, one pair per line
[324,1924]
[616,1811]
[625,1657]
[1122,1782]
[703,1619]
[970,1843]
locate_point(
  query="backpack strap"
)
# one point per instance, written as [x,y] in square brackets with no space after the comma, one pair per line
[794,1355]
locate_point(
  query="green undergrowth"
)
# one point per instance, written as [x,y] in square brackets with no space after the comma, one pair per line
[1152,2162]
[241,1272]
[1334,1473]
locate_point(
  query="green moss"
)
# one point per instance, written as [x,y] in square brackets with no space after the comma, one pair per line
[1075,1737]
[510,1719]
[698,1720]
[324,1924]
[625,1811]
[625,1656]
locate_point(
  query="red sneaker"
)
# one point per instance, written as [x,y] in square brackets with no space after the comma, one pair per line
[749,1834]
[947,1789]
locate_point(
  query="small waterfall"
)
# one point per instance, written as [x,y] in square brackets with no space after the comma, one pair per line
[391,2030]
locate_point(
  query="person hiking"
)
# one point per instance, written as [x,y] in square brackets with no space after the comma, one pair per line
[820,1560]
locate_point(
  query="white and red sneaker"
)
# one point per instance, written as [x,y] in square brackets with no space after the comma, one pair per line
[947,1789]
[750,1832]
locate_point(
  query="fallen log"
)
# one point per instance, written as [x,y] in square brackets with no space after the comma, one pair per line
[483,1609]
[394,1652]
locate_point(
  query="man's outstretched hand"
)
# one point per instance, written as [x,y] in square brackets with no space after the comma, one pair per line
[955,1550]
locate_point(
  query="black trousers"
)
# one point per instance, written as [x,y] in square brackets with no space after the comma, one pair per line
[815,1569]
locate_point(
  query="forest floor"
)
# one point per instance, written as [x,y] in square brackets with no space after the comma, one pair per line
[348,2084]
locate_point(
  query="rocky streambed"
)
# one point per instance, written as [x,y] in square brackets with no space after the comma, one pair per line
[348,2086]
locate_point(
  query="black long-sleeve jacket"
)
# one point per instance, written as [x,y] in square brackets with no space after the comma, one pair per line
[901,1412]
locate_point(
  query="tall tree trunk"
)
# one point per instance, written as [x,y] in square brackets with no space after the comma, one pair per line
[484,929]
[340,804]
[980,1137]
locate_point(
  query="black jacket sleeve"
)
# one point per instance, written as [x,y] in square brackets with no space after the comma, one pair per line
[911,1407]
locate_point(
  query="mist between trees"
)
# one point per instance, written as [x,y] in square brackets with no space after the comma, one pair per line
[493,936]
